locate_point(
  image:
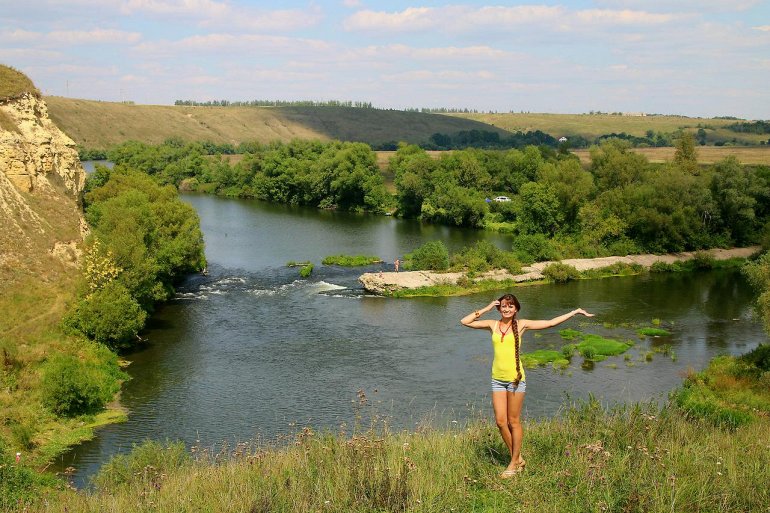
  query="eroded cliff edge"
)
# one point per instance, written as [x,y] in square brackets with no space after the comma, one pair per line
[41,183]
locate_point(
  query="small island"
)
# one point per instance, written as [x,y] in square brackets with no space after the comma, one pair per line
[420,283]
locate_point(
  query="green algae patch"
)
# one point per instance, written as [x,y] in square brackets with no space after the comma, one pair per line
[653,332]
[570,334]
[542,357]
[599,346]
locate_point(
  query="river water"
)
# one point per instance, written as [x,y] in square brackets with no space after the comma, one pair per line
[251,351]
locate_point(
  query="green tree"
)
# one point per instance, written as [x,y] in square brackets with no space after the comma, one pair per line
[685,155]
[539,209]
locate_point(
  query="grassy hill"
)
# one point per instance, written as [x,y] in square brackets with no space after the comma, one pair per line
[591,126]
[98,125]
[13,83]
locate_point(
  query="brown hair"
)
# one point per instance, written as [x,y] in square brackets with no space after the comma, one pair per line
[512,299]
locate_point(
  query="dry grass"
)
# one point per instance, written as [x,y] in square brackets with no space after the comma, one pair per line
[592,126]
[706,154]
[14,83]
[637,459]
[100,125]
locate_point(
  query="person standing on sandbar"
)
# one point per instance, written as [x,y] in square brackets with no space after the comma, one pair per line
[508,377]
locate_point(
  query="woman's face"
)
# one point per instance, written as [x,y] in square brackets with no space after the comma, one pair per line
[507,308]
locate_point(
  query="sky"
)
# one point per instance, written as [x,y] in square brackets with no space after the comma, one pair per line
[702,58]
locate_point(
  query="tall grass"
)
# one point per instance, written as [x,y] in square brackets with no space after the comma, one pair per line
[637,458]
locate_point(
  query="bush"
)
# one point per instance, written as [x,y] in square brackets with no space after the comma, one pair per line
[484,256]
[306,270]
[432,256]
[534,248]
[18,485]
[110,316]
[72,387]
[703,260]
[664,267]
[561,273]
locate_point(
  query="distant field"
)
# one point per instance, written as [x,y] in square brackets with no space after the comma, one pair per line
[99,125]
[706,154]
[591,126]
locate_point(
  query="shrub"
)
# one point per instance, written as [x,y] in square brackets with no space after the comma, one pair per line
[561,273]
[432,256]
[660,266]
[534,248]
[18,485]
[72,387]
[703,260]
[484,256]
[109,315]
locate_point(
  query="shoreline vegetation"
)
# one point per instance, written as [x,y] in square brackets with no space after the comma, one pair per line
[434,283]
[704,449]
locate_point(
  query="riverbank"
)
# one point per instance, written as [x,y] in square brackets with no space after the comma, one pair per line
[687,455]
[390,283]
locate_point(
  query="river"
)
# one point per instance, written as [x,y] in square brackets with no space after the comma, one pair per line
[253,351]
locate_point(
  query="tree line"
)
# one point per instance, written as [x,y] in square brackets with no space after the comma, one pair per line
[619,204]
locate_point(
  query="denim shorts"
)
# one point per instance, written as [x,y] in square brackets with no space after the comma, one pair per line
[508,386]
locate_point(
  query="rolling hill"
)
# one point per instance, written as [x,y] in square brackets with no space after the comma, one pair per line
[99,125]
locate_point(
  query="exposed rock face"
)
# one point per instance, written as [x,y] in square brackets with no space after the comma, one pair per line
[37,155]
[41,184]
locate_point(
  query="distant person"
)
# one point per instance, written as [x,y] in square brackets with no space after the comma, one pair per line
[508,377]
[395,264]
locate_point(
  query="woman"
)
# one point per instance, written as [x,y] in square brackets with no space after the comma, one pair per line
[508,378]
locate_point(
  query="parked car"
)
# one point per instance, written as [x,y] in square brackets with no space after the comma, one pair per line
[502,198]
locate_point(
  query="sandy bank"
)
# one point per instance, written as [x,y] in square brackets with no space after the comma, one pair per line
[387,282]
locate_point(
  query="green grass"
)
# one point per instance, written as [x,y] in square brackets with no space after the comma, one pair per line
[351,260]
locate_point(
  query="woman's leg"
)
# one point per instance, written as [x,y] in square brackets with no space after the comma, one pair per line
[515,402]
[500,406]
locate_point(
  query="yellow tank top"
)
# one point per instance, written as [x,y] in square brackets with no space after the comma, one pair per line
[504,362]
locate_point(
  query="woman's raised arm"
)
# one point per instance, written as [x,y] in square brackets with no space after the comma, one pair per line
[541,325]
[472,319]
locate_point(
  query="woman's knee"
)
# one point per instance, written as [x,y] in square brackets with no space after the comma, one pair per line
[502,422]
[514,422]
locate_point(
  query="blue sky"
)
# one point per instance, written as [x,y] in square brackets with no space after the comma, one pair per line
[696,58]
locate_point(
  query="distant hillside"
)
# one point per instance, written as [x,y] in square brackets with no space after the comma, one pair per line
[97,125]
[592,126]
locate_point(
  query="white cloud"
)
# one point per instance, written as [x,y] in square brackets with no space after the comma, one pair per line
[228,44]
[467,19]
[442,75]
[692,6]
[624,17]
[352,3]
[191,8]
[763,28]
[71,37]
[100,36]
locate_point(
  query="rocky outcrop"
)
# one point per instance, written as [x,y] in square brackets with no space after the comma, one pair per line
[41,184]
[34,153]
[387,283]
